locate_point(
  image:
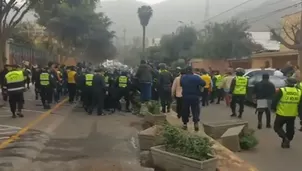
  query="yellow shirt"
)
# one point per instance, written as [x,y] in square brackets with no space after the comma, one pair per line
[71,77]
[207,79]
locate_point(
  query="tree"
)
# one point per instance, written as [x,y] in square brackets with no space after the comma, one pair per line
[292,36]
[178,45]
[80,31]
[145,12]
[12,12]
[225,40]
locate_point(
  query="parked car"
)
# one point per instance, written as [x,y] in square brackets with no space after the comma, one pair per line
[279,82]
[257,71]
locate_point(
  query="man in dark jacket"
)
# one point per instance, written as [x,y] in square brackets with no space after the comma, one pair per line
[264,91]
[144,76]
[164,82]
[98,89]
[191,85]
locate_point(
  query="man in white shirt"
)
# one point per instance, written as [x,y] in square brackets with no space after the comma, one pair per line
[278,73]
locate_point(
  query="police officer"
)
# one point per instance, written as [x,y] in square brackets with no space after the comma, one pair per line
[14,84]
[87,90]
[238,90]
[98,90]
[299,86]
[46,84]
[287,104]
[164,82]
[123,87]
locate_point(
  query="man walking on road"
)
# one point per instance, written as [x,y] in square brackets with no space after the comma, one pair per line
[238,90]
[191,85]
[98,89]
[287,104]
[264,91]
[14,84]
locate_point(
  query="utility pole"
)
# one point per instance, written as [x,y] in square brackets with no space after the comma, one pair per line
[207,10]
[124,39]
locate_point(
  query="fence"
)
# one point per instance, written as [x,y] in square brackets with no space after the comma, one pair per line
[19,52]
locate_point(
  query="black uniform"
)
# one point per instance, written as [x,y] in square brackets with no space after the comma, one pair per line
[46,83]
[98,89]
[165,81]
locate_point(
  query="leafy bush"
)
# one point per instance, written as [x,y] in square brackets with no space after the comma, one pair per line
[248,140]
[192,146]
[154,107]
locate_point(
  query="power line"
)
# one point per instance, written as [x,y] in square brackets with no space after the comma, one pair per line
[273,3]
[261,17]
[239,5]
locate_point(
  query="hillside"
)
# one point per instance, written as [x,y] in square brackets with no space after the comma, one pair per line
[263,16]
[166,14]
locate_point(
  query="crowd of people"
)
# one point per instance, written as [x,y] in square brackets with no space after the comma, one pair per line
[102,89]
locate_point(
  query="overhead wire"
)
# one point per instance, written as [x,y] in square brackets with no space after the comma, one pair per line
[226,11]
[261,17]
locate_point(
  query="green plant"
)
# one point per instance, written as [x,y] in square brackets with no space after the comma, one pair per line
[248,140]
[153,107]
[192,146]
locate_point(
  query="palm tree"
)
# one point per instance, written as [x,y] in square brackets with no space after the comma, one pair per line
[145,12]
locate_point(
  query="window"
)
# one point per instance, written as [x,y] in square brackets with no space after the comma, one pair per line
[278,82]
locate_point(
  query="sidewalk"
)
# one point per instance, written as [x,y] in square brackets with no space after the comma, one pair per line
[268,156]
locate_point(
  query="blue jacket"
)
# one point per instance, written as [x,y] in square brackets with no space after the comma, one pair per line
[191,85]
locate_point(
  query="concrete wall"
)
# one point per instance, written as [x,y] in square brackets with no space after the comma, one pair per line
[220,65]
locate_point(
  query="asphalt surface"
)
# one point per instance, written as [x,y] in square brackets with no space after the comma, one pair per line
[268,155]
[84,143]
[68,139]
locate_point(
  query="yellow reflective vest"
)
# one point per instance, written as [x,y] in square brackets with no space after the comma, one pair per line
[218,82]
[240,86]
[44,79]
[88,79]
[288,104]
[15,81]
[122,81]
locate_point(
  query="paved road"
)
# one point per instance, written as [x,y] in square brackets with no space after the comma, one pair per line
[69,139]
[268,156]
[85,142]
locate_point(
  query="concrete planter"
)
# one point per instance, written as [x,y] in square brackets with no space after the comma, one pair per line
[149,138]
[155,119]
[217,129]
[171,162]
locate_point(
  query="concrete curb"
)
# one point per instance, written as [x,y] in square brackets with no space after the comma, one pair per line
[228,161]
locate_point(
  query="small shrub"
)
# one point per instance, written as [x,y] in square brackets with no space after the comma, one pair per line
[153,107]
[248,140]
[192,146]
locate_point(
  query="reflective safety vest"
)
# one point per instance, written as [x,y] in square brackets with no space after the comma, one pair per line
[44,79]
[15,81]
[288,104]
[107,81]
[218,82]
[71,77]
[122,81]
[207,79]
[162,70]
[241,84]
[88,78]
